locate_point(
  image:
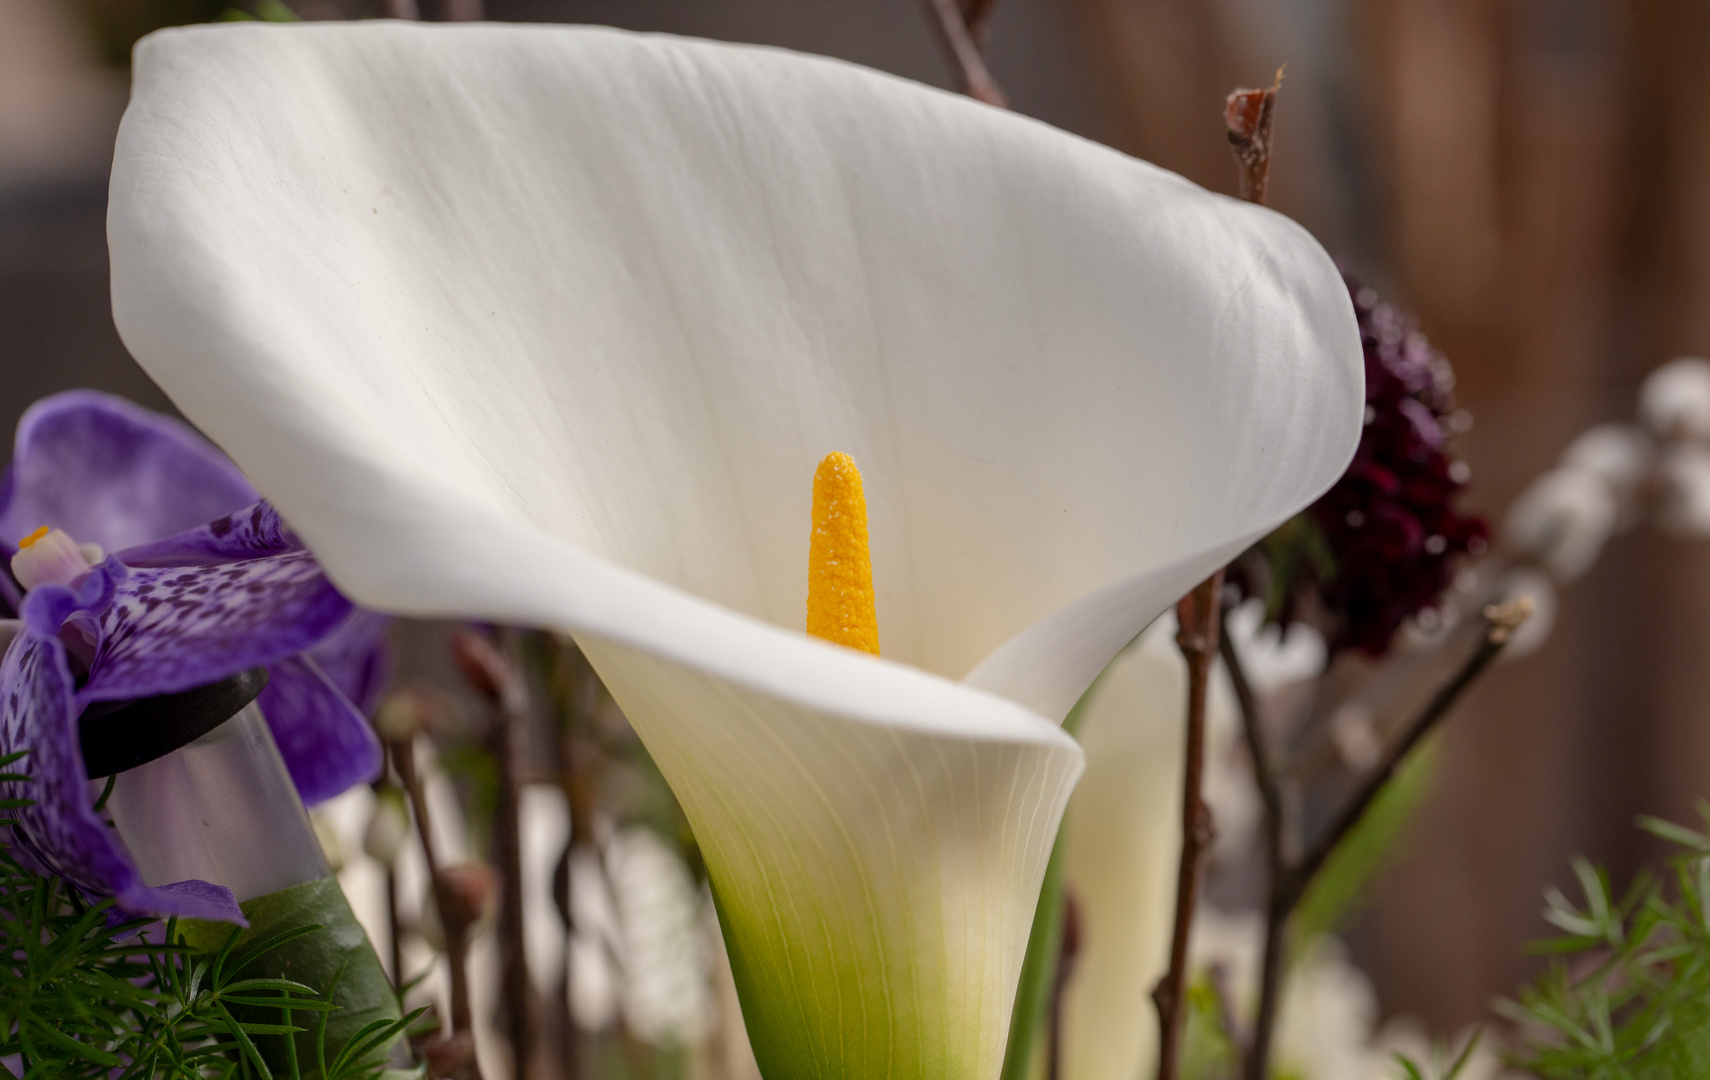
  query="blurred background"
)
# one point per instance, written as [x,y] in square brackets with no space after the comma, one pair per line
[1531,178]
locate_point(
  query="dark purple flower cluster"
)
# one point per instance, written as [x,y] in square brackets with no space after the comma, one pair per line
[1381,545]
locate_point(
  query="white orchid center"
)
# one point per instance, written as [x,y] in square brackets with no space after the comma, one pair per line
[840,604]
[50,555]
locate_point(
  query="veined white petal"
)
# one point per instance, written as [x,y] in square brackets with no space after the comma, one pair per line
[550,326]
[871,878]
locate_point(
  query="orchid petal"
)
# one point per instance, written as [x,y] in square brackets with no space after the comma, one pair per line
[253,532]
[59,831]
[111,473]
[357,658]
[327,745]
[550,326]
[171,628]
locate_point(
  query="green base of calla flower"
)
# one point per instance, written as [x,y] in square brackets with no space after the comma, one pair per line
[363,994]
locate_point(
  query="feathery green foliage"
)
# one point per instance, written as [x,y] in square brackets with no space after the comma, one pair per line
[84,996]
[1628,994]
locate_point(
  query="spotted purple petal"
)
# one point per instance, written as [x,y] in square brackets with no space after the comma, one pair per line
[327,745]
[357,657]
[112,473]
[59,831]
[251,533]
[172,628]
[46,608]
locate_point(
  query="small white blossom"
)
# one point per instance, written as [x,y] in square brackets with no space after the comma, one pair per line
[1562,520]
[1621,455]
[1683,506]
[388,828]
[666,962]
[1675,399]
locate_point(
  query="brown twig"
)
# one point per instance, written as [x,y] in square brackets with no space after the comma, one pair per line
[453,910]
[1197,621]
[464,10]
[402,9]
[1276,868]
[1249,115]
[1288,882]
[498,678]
[1500,622]
[957,22]
[977,14]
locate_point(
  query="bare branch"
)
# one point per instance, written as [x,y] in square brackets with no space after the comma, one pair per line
[1500,622]
[1197,616]
[960,43]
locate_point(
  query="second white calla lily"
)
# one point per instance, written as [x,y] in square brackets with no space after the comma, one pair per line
[550,327]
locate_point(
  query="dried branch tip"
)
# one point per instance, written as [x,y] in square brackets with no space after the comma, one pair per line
[1247,111]
[1249,115]
[1507,617]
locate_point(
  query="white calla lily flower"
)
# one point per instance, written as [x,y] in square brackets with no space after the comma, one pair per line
[550,327]
[1123,845]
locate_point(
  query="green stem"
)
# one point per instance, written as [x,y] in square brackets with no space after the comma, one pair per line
[1044,946]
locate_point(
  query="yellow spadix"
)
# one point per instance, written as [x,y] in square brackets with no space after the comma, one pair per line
[840,570]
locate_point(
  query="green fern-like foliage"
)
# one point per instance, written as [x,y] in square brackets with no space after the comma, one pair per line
[1627,996]
[84,996]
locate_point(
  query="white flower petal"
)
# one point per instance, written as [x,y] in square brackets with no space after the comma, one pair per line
[421,280]
[667,968]
[871,878]
[550,326]
[1619,453]
[1123,843]
[1563,520]
[544,829]
[1674,400]
[1683,505]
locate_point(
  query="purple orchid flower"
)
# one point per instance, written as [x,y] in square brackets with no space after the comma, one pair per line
[206,582]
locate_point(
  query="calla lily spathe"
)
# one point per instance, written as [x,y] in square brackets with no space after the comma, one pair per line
[550,326]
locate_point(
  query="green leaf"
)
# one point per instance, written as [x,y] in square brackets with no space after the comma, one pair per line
[307,935]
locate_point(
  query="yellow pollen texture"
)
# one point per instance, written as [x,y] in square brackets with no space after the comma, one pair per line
[840,571]
[30,540]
